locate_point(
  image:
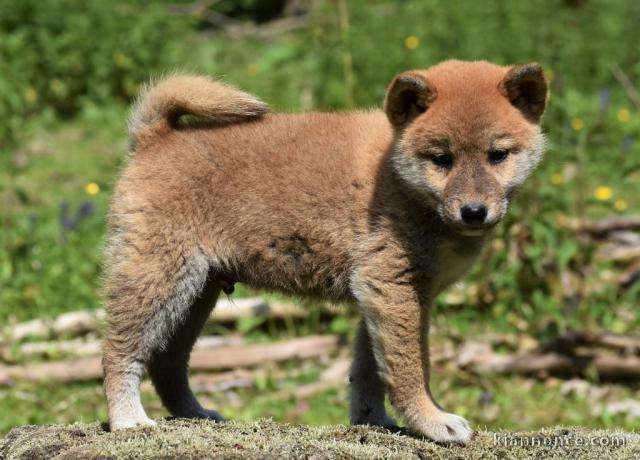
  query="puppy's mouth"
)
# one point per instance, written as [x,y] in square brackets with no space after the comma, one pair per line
[473,230]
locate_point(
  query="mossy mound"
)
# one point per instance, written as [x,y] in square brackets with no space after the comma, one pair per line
[267,439]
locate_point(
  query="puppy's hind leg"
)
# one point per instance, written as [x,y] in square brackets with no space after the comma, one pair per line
[150,292]
[168,367]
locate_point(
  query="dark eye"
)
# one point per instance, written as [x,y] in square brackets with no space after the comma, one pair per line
[444,159]
[497,156]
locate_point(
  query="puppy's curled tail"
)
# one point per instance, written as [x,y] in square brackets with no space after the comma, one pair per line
[161,104]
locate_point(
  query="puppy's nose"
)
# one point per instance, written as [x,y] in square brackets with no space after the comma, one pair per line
[473,213]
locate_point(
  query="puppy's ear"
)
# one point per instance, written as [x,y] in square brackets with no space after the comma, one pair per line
[526,88]
[408,95]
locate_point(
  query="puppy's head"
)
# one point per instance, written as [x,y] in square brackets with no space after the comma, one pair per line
[467,135]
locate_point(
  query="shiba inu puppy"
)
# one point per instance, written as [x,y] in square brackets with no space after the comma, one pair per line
[383,209]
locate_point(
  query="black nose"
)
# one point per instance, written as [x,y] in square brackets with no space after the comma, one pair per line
[473,213]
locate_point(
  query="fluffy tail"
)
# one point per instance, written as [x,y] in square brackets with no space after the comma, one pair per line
[160,105]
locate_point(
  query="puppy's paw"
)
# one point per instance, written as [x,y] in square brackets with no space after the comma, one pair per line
[446,428]
[126,423]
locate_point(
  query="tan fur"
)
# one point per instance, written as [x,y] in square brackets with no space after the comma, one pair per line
[345,207]
[159,106]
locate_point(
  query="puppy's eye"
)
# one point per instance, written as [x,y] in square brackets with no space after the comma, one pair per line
[444,160]
[498,156]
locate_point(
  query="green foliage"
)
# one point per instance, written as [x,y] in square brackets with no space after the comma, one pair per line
[59,55]
[52,229]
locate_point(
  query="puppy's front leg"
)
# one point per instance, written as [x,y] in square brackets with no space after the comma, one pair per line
[398,327]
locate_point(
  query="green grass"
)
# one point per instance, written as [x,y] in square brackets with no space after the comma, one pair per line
[266,439]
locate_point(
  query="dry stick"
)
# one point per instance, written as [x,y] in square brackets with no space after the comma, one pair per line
[257,354]
[227,357]
[618,253]
[627,85]
[630,275]
[68,324]
[486,361]
[78,323]
[603,226]
[234,28]
[334,375]
[227,311]
[606,365]
[572,340]
[221,381]
[79,348]
[75,348]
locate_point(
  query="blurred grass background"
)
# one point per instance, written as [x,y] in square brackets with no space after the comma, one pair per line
[69,69]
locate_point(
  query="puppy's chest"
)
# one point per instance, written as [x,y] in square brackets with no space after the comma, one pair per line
[454,258]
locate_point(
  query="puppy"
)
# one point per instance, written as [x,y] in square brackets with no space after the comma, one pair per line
[383,209]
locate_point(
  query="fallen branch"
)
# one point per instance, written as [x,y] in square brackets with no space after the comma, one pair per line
[336,374]
[221,381]
[78,323]
[481,358]
[627,85]
[71,324]
[603,226]
[629,276]
[79,348]
[225,357]
[228,311]
[257,354]
[612,252]
[76,348]
[233,28]
[570,341]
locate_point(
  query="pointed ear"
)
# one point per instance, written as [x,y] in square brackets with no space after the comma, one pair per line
[526,88]
[408,95]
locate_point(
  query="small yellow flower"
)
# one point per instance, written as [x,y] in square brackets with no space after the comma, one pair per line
[603,193]
[549,74]
[252,69]
[624,115]
[577,124]
[30,95]
[92,188]
[620,205]
[557,179]
[411,42]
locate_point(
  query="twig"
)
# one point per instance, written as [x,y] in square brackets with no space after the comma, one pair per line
[228,357]
[336,374]
[618,253]
[603,226]
[627,85]
[78,323]
[572,354]
[79,348]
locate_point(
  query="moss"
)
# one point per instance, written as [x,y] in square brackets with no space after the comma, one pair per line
[267,439]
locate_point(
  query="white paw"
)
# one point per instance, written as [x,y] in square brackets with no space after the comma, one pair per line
[128,423]
[446,428]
